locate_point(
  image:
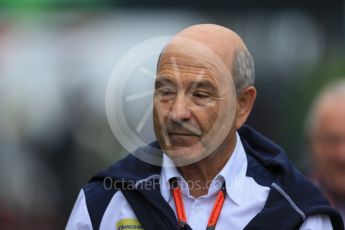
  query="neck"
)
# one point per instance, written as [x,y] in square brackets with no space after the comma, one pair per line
[202,173]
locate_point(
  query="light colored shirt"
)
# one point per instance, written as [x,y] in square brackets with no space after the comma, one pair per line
[240,206]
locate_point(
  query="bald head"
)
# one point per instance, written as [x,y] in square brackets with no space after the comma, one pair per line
[216,44]
[330,100]
[220,40]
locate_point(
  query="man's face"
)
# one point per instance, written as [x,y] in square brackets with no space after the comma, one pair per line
[192,105]
[328,145]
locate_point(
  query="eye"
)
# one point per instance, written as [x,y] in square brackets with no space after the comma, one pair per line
[165,94]
[201,95]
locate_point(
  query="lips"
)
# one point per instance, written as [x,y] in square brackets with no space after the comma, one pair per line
[183,139]
[182,134]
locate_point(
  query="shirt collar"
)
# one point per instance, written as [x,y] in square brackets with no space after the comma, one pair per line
[169,171]
[233,173]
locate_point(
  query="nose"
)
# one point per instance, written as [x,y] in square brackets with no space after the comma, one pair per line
[180,110]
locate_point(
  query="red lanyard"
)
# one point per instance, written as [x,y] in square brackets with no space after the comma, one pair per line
[181,214]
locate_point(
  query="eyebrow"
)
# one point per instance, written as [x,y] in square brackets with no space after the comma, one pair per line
[204,84]
[163,81]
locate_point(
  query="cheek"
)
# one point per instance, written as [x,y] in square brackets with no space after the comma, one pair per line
[321,157]
[156,122]
[326,161]
[160,115]
[207,118]
[160,110]
[157,127]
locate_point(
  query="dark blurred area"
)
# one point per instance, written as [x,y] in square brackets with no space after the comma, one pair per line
[56,58]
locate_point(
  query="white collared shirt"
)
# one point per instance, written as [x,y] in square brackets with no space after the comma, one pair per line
[241,203]
[240,206]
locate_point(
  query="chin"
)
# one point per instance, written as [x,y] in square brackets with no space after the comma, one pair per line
[186,155]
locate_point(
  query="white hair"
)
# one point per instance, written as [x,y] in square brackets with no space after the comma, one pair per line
[243,70]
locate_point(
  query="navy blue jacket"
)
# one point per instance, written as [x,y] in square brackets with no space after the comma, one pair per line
[292,197]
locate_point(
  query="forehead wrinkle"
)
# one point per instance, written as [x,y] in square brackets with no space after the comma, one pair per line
[166,58]
[202,73]
[189,62]
[186,66]
[182,66]
[185,77]
[186,71]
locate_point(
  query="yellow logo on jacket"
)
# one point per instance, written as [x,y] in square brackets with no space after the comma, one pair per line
[129,224]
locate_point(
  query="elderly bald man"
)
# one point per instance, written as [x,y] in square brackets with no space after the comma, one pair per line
[215,172]
[325,131]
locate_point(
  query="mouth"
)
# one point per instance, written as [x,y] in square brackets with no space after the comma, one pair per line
[182,139]
[186,129]
[182,134]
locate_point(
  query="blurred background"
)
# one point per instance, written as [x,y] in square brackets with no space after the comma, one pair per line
[56,57]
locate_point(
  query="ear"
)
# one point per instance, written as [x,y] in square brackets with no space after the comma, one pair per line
[245,102]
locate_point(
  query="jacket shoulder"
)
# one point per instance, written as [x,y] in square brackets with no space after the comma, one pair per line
[97,197]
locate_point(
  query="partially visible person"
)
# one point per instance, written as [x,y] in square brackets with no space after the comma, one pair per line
[325,131]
